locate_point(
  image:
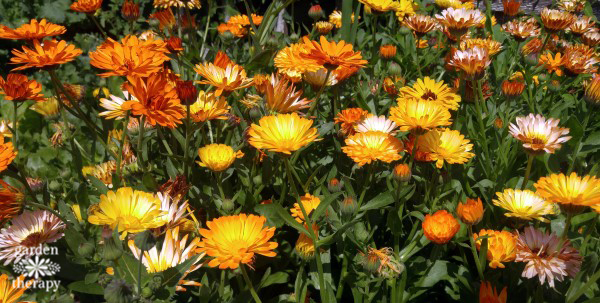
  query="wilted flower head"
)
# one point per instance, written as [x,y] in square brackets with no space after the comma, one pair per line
[209,107]
[382,261]
[538,134]
[501,246]
[440,227]
[523,204]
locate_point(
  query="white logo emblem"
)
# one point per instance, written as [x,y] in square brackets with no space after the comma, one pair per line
[36,267]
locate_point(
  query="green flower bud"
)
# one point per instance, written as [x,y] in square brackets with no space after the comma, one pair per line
[146,292]
[112,250]
[348,206]
[394,69]
[228,205]
[85,249]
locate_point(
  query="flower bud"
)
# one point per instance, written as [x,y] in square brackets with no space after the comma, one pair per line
[294,37]
[272,42]
[316,12]
[144,240]
[512,89]
[405,31]
[112,251]
[85,249]
[186,91]
[387,51]
[470,212]
[554,86]
[440,227]
[394,69]
[498,123]
[254,113]
[323,27]
[118,291]
[348,206]
[402,172]
[334,185]
[130,10]
[228,205]
[147,292]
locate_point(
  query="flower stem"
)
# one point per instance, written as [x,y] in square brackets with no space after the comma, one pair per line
[315,104]
[474,252]
[14,129]
[140,141]
[578,145]
[544,45]
[120,155]
[98,25]
[186,151]
[527,170]
[478,104]
[250,286]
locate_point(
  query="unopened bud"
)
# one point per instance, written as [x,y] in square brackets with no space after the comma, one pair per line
[348,206]
[402,172]
[316,12]
[334,185]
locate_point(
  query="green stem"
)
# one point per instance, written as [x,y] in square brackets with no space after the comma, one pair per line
[250,286]
[530,158]
[14,129]
[315,104]
[186,151]
[140,141]
[585,287]
[417,58]
[578,145]
[474,252]
[98,25]
[140,264]
[544,45]
[120,155]
[344,272]
[478,104]
[222,283]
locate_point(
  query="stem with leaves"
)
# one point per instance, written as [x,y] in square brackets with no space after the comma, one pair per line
[250,286]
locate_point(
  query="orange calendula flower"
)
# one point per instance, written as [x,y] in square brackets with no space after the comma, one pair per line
[446,145]
[305,246]
[282,133]
[512,89]
[387,51]
[7,154]
[33,30]
[380,6]
[489,294]
[580,59]
[591,38]
[555,20]
[156,100]
[224,79]
[13,290]
[419,116]
[470,212]
[86,6]
[323,27]
[281,96]
[235,29]
[309,202]
[130,10]
[166,18]
[492,46]
[471,62]
[420,24]
[402,172]
[332,55]
[501,246]
[244,20]
[539,134]
[349,118]
[592,90]
[209,107]
[11,201]
[130,57]
[217,157]
[235,240]
[511,7]
[440,227]
[47,55]
[573,193]
[371,146]
[292,61]
[429,90]
[552,64]
[18,88]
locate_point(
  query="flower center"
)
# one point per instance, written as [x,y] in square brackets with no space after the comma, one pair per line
[32,240]
[429,95]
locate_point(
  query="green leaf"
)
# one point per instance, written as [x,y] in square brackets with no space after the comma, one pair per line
[381,200]
[271,213]
[130,266]
[279,277]
[84,288]
[172,275]
[317,213]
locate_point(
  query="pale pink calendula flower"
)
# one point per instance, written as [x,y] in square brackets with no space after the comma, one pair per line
[539,134]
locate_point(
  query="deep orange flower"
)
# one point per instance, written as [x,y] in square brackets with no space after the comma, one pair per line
[235,29]
[225,80]
[174,45]
[501,246]
[292,61]
[130,10]
[165,18]
[555,20]
[420,155]
[156,100]
[470,212]
[244,20]
[489,294]
[18,88]
[511,7]
[186,91]
[387,51]
[86,6]
[130,57]
[552,64]
[333,55]
[222,60]
[32,30]
[47,55]
[580,59]
[11,201]
[348,118]
[7,154]
[440,227]
[512,89]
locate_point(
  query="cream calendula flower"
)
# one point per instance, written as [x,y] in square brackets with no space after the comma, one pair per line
[377,124]
[539,134]
[114,106]
[446,145]
[209,106]
[282,133]
[370,146]
[419,116]
[492,46]
[217,157]
[459,20]
[472,62]
[430,90]
[523,204]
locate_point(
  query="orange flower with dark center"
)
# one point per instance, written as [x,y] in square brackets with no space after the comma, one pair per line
[32,30]
[47,55]
[11,201]
[156,100]
[86,6]
[130,57]
[580,59]
[7,154]
[332,55]
[165,18]
[511,7]
[440,227]
[348,118]
[555,20]
[18,88]
[130,10]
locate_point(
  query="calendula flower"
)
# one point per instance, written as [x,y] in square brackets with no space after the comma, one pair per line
[281,96]
[429,90]
[309,202]
[446,145]
[32,30]
[305,246]
[402,172]
[317,79]
[458,21]
[7,154]
[555,20]
[470,212]
[591,38]
[440,227]
[572,193]
[489,294]
[130,10]
[377,124]
[133,211]
[166,19]
[501,246]
[405,8]
[382,262]
[511,7]
[191,4]
[552,64]
[512,89]
[103,172]
[580,59]
[11,291]
[538,134]
[291,61]
[523,204]
[387,51]
[217,157]
[19,88]
[332,55]
[471,62]
[50,108]
[114,106]
[456,4]
[244,20]
[47,54]
[282,133]
[130,57]
[5,128]
[534,46]
[582,25]
[547,256]
[11,201]
[521,30]
[235,240]
[592,90]
[251,101]
[174,251]
[209,107]
[323,27]
[155,99]
[420,24]
[234,29]
[349,118]
[28,231]
[419,116]
[492,46]
[86,6]
[370,146]
[225,80]
[380,6]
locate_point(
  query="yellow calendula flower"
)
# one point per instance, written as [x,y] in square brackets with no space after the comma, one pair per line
[523,204]
[419,116]
[50,109]
[305,246]
[492,46]
[572,192]
[131,210]
[309,202]
[380,6]
[446,145]
[501,246]
[370,146]
[282,133]
[429,90]
[217,157]
[208,106]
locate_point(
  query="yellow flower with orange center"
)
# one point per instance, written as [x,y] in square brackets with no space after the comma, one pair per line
[309,202]
[429,90]
[32,30]
[332,55]
[523,204]
[47,55]
[235,240]
[19,88]
[217,157]
[380,6]
[572,192]
[225,80]
[371,146]
[86,6]
[489,294]
[440,227]
[446,145]
[284,133]
[492,46]
[7,154]
[555,20]
[209,107]
[552,64]
[419,116]
[470,212]
[501,246]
